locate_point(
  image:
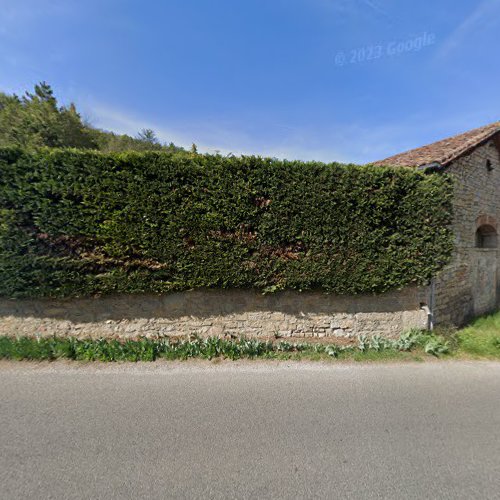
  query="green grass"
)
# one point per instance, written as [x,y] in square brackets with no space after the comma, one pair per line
[412,345]
[480,340]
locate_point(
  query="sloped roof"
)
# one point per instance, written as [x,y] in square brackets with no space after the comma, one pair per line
[442,152]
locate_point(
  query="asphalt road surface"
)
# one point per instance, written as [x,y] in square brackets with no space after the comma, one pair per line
[250,430]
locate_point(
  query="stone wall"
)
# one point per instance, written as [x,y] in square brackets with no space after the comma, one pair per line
[219,313]
[468,286]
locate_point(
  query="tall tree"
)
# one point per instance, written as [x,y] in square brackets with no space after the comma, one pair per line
[148,136]
[36,119]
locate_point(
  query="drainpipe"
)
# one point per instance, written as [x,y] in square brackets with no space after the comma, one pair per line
[429,309]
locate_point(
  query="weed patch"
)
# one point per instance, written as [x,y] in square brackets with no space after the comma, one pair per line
[151,349]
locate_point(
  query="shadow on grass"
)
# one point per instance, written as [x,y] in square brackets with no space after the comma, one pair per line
[480,339]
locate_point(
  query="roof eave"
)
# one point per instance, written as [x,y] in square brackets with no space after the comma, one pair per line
[466,151]
[443,163]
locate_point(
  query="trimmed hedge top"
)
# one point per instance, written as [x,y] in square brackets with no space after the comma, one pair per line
[75,223]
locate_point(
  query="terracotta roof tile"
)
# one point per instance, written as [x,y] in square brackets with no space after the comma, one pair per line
[442,152]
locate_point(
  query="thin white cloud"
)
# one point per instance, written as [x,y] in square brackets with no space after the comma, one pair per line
[485,15]
[372,4]
[353,7]
[361,142]
[209,137]
[346,143]
[20,16]
[20,22]
[212,136]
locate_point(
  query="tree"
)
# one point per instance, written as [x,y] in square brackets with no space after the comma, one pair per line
[36,120]
[43,93]
[149,136]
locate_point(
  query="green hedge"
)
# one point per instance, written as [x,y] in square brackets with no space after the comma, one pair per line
[75,223]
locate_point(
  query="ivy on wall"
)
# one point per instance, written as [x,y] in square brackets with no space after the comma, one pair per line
[80,223]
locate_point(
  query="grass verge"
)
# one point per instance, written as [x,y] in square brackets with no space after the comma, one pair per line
[479,340]
[412,345]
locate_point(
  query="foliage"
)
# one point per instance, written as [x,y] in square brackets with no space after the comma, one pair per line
[36,120]
[76,223]
[480,339]
[436,347]
[150,349]
[146,140]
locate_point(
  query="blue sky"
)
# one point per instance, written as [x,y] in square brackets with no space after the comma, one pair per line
[331,80]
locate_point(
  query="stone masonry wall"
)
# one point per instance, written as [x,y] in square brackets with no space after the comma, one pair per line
[219,313]
[468,286]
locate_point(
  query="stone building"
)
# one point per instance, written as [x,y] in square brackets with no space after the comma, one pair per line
[469,285]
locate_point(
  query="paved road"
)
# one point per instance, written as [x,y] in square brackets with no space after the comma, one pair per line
[250,431]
